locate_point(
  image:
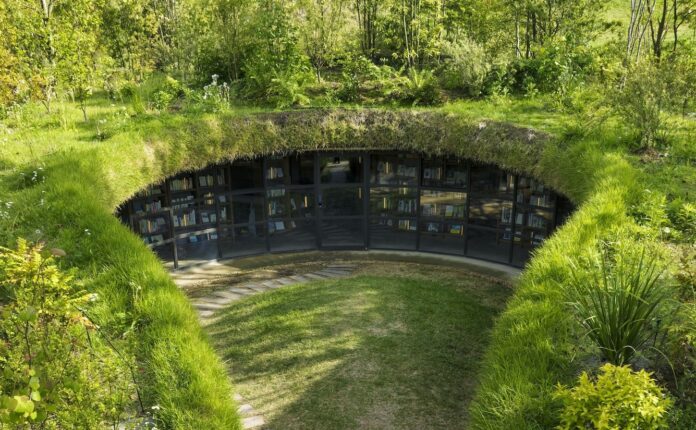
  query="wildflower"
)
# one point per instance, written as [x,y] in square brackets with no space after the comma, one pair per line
[87,232]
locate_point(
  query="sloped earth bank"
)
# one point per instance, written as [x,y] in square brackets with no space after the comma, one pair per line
[393,346]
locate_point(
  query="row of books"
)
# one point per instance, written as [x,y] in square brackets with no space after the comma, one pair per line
[454,229]
[401,224]
[209,180]
[185,219]
[147,207]
[275,173]
[402,205]
[448,211]
[274,226]
[181,184]
[151,225]
[433,175]
[183,201]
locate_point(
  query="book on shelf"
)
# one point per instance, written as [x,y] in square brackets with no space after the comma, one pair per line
[433,227]
[279,225]
[536,221]
[151,225]
[275,173]
[193,239]
[519,219]
[537,200]
[181,184]
[185,220]
[275,193]
[506,215]
[406,224]
[449,211]
[456,229]
[206,181]
[428,209]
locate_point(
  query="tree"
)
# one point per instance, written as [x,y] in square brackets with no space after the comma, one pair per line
[367,15]
[323,31]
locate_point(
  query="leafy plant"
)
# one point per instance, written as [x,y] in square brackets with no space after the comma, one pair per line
[618,302]
[421,89]
[57,371]
[619,399]
[465,67]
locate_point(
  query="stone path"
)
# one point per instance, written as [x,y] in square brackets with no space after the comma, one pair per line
[208,306]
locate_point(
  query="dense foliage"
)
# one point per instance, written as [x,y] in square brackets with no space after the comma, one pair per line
[618,399]
[58,370]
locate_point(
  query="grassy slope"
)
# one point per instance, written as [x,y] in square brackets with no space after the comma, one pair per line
[531,348]
[397,346]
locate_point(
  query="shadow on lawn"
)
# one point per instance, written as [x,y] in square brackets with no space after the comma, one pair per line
[360,353]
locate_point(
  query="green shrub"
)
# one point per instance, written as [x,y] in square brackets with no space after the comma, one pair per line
[617,298]
[620,399]
[356,72]
[421,89]
[168,93]
[57,371]
[465,67]
[683,217]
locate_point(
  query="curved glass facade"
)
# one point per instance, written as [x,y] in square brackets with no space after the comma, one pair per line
[346,200]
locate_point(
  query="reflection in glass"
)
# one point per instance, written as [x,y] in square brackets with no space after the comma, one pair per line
[246,174]
[533,193]
[392,201]
[291,170]
[292,235]
[443,204]
[442,236]
[393,233]
[243,240]
[247,208]
[294,204]
[340,169]
[344,201]
[344,233]
[394,169]
[489,244]
[490,211]
[491,180]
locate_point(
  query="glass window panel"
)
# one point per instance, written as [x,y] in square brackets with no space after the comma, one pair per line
[394,169]
[340,169]
[533,193]
[292,235]
[212,177]
[243,240]
[490,180]
[490,212]
[197,247]
[433,172]
[442,236]
[393,233]
[489,244]
[247,208]
[291,170]
[148,205]
[392,201]
[456,174]
[246,174]
[343,233]
[294,204]
[443,204]
[342,201]
[165,251]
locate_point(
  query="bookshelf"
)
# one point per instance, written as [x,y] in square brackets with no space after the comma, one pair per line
[379,200]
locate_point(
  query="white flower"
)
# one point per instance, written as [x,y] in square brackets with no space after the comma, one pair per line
[87,232]
[37,231]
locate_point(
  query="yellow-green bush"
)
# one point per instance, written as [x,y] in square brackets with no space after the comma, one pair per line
[619,399]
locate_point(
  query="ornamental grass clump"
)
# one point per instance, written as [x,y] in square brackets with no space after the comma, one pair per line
[620,399]
[619,299]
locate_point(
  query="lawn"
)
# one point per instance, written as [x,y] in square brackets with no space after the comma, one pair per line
[394,346]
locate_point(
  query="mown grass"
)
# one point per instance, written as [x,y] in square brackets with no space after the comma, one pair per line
[397,346]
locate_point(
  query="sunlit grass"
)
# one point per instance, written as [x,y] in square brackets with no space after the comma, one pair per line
[372,351]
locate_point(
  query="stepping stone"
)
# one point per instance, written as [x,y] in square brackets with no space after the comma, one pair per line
[300,278]
[285,281]
[337,272]
[316,276]
[206,314]
[258,288]
[243,291]
[245,409]
[327,274]
[273,284]
[252,422]
[208,306]
[227,295]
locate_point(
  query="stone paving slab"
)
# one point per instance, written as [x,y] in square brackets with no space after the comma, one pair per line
[253,422]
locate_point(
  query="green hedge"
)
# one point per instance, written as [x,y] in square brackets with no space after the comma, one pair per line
[532,342]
